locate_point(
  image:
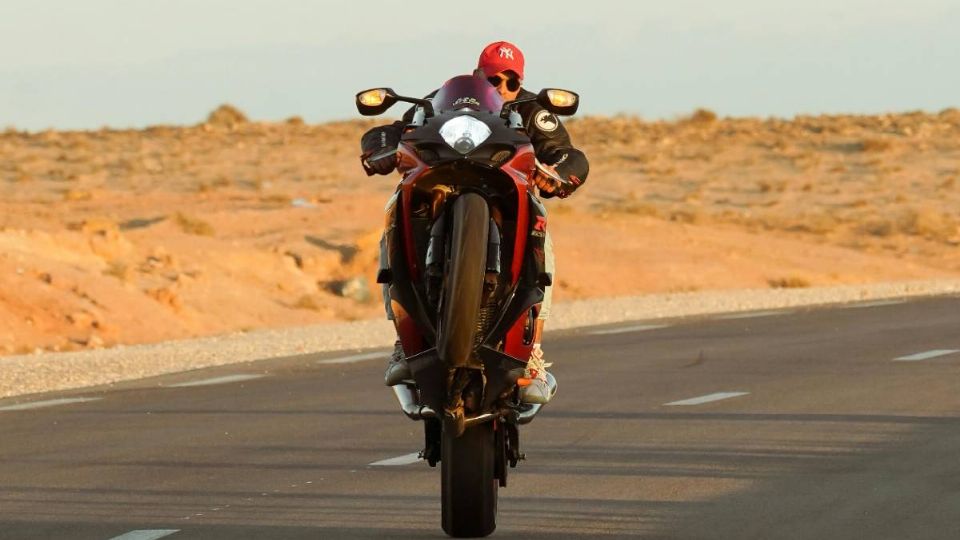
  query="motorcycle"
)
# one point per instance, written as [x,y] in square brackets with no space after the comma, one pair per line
[465,269]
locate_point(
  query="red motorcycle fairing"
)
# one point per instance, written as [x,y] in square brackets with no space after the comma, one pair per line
[519,168]
[416,330]
[412,168]
[517,342]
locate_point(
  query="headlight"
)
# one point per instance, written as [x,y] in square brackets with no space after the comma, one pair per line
[464,133]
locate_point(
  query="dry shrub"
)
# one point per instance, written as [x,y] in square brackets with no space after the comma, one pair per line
[637,208]
[77,195]
[763,186]
[934,225]
[191,225]
[94,225]
[875,145]
[685,216]
[166,296]
[877,226]
[295,121]
[792,282]
[926,222]
[227,116]
[951,115]
[119,270]
[818,223]
[277,198]
[309,302]
[702,116]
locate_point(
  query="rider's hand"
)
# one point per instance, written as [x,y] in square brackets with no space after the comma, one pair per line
[378,149]
[544,182]
[383,165]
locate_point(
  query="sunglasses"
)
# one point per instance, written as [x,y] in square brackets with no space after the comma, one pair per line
[512,84]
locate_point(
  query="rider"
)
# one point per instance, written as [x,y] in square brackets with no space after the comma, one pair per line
[501,63]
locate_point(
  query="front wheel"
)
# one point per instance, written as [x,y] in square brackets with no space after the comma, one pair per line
[463,288]
[468,484]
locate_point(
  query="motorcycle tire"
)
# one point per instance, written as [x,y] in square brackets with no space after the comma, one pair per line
[469,488]
[467,465]
[465,272]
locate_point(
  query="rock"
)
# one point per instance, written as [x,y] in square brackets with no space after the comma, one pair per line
[83,319]
[94,342]
[166,296]
[355,288]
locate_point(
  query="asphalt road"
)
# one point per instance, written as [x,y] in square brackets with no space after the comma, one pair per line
[783,425]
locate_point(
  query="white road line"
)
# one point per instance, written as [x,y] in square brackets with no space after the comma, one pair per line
[707,398]
[626,329]
[217,380]
[47,403]
[146,534]
[406,459]
[355,358]
[752,314]
[877,303]
[926,355]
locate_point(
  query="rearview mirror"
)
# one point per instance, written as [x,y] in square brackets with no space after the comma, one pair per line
[375,101]
[557,101]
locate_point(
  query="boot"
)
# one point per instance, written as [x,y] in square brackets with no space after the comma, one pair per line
[397,369]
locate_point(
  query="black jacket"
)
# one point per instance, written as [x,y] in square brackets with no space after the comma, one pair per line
[550,139]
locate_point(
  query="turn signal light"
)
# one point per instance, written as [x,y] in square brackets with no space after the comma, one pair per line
[373,98]
[561,98]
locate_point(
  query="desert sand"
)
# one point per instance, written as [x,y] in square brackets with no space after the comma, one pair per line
[139,236]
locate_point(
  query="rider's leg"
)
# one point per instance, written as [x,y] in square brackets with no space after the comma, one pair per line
[550,265]
[385,287]
[540,389]
[397,369]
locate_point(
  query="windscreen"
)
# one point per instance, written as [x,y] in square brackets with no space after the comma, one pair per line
[467,91]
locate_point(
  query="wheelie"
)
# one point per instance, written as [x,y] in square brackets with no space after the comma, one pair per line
[465,265]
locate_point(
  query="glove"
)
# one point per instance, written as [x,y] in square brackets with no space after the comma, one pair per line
[549,187]
[382,165]
[571,165]
[545,183]
[381,143]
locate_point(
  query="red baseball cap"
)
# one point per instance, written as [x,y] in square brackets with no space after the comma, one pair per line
[501,56]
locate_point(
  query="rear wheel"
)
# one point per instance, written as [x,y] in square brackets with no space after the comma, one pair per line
[468,484]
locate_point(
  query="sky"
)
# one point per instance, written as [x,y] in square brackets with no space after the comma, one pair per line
[131,63]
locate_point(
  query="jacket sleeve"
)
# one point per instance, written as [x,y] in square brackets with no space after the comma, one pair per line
[552,144]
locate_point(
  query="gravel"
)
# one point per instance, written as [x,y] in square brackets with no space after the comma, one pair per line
[44,372]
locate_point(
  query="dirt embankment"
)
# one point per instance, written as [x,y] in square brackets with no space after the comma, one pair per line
[132,236]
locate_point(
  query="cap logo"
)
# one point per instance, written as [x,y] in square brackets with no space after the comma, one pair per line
[506,52]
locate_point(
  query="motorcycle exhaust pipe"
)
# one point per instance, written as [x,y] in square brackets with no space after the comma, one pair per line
[415,411]
[526,416]
[409,405]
